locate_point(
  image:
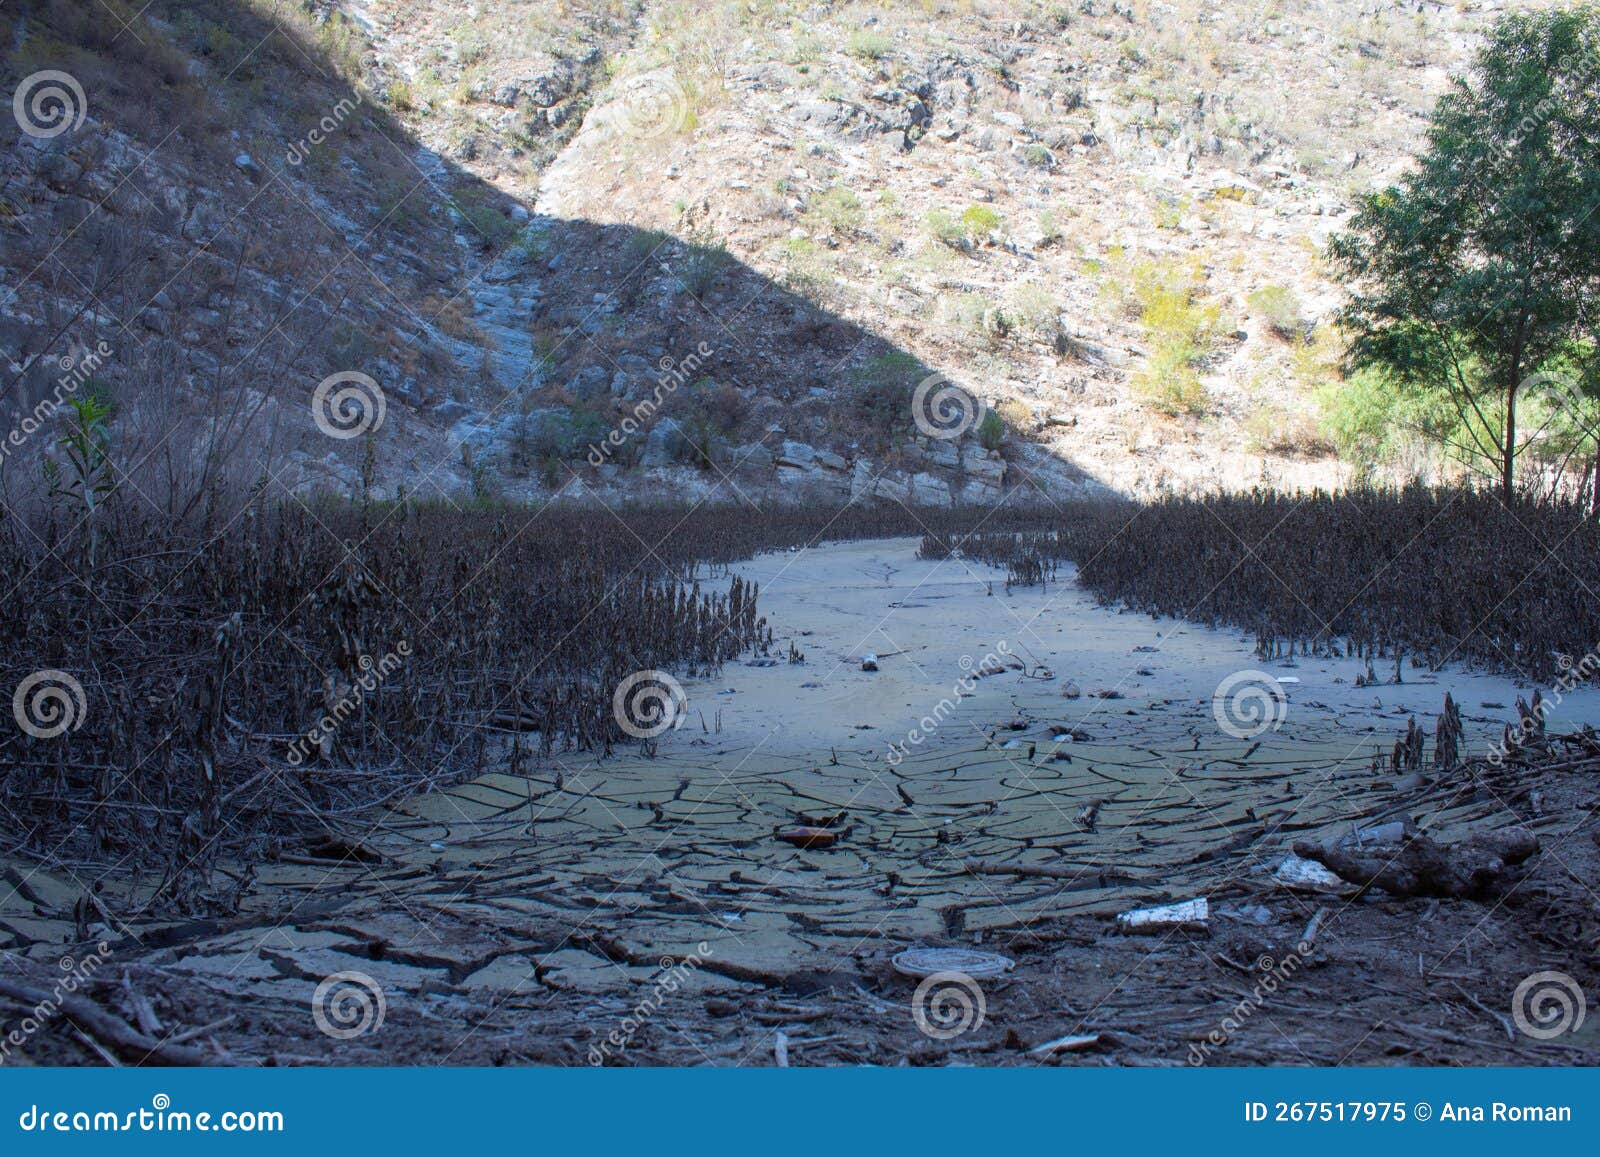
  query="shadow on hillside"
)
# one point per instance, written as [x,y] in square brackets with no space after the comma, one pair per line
[512,354]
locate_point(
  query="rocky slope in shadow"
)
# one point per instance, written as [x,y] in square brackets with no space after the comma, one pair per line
[740,237]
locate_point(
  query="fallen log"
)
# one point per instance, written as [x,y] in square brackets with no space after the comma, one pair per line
[1419,866]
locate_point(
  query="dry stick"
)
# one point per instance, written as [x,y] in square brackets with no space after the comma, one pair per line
[1309,936]
[92,1019]
[96,1047]
[191,1033]
[1049,871]
[1502,1021]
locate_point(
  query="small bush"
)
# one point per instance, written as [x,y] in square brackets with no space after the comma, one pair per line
[1274,430]
[975,223]
[945,228]
[401,98]
[1168,382]
[1051,225]
[1015,413]
[1168,212]
[839,208]
[964,311]
[702,265]
[881,398]
[1035,309]
[1181,325]
[1280,309]
[870,45]
[720,405]
[645,245]
[979,221]
[991,430]
[493,228]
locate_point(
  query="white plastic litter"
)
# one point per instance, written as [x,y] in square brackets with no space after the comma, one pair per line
[925,962]
[1187,914]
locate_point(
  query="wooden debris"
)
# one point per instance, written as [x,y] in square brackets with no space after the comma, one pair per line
[809,837]
[1309,937]
[1418,866]
[116,1035]
[1391,832]
[1302,875]
[1086,872]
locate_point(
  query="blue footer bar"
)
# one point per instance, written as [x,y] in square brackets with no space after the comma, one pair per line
[1303,1111]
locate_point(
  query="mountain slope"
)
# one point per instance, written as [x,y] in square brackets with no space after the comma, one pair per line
[733,237]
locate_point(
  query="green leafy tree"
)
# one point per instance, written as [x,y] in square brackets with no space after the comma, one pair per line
[1477,275]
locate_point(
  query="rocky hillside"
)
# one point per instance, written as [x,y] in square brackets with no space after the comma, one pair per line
[613,247]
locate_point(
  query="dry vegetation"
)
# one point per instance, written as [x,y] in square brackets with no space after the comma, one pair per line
[440,641]
[1434,575]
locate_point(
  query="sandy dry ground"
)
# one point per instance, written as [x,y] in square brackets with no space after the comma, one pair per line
[648,900]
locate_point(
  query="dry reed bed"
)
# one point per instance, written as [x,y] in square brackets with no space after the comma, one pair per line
[440,643]
[1436,575]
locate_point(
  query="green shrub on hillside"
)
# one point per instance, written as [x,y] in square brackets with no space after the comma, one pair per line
[880,398]
[870,45]
[838,208]
[979,221]
[1279,308]
[1181,327]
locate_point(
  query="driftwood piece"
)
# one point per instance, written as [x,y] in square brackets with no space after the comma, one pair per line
[95,1022]
[809,837]
[1419,866]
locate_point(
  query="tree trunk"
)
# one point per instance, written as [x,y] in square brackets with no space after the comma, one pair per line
[1508,452]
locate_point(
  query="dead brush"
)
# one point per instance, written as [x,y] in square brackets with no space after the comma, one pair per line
[256,676]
